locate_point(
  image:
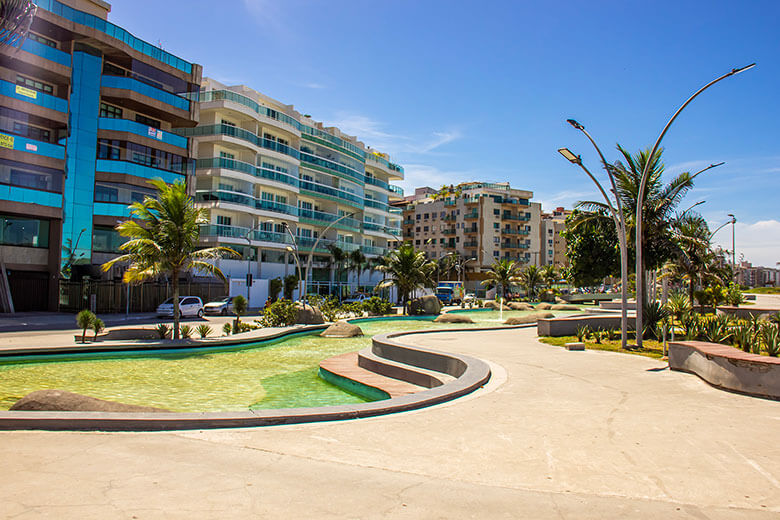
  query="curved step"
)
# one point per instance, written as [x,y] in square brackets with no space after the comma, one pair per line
[401,371]
[346,369]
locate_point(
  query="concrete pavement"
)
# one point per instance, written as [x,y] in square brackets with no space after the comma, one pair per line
[555,434]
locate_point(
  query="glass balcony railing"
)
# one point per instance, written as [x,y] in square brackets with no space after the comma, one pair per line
[245,200]
[239,133]
[240,233]
[228,95]
[376,204]
[396,189]
[471,215]
[45,51]
[332,140]
[335,193]
[384,162]
[114,31]
[321,216]
[132,84]
[248,168]
[33,96]
[376,182]
[375,250]
[125,125]
[331,166]
[25,144]
[373,226]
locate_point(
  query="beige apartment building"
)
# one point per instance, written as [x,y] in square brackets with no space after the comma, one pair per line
[480,222]
[553,244]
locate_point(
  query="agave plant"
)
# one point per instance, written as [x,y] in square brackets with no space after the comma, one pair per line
[744,337]
[185,331]
[162,330]
[653,314]
[582,333]
[678,305]
[770,333]
[716,330]
[691,326]
[203,330]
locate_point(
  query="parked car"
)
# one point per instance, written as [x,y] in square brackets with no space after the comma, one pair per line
[356,298]
[191,306]
[223,306]
[469,298]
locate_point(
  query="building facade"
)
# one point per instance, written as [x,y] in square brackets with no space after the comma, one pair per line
[86,113]
[279,185]
[757,276]
[552,243]
[475,220]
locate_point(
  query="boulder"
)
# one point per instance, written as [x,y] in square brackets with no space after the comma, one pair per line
[564,307]
[544,306]
[520,306]
[528,318]
[342,329]
[62,401]
[425,305]
[309,315]
[558,299]
[453,318]
[492,304]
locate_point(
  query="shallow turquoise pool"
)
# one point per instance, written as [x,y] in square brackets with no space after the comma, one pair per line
[280,375]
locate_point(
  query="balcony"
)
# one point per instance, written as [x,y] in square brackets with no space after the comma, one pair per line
[449,231]
[33,96]
[137,170]
[471,215]
[322,218]
[519,218]
[245,200]
[132,84]
[372,226]
[376,182]
[470,243]
[240,233]
[248,168]
[206,96]
[125,125]
[239,133]
[377,204]
[396,189]
[320,136]
[335,194]
[27,145]
[30,196]
[473,229]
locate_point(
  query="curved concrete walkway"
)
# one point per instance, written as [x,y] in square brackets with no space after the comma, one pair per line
[565,435]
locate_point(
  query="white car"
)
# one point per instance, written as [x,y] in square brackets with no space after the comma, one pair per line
[356,298]
[223,306]
[188,306]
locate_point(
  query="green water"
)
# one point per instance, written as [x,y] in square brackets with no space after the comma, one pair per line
[281,375]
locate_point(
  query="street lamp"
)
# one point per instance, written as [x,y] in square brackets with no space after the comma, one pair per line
[249,260]
[317,242]
[733,249]
[620,224]
[461,275]
[641,198]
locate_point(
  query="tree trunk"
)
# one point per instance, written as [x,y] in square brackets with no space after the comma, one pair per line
[176,305]
[690,293]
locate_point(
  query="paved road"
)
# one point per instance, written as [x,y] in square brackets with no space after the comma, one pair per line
[555,434]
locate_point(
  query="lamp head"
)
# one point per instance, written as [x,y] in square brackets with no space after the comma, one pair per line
[575,124]
[569,156]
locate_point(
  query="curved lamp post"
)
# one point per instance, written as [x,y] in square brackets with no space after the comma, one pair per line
[620,223]
[641,197]
[317,242]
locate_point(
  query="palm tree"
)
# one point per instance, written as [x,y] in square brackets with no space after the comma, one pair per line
[163,240]
[358,263]
[338,259]
[503,274]
[659,206]
[549,274]
[407,269]
[530,279]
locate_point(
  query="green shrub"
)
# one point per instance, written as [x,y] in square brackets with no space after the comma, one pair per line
[227,329]
[678,304]
[582,333]
[611,334]
[328,306]
[598,335]
[97,326]
[203,330]
[274,288]
[185,331]
[734,295]
[691,326]
[775,318]
[162,330]
[376,306]
[716,329]
[743,337]
[290,283]
[239,309]
[653,314]
[281,313]
[84,320]
[770,333]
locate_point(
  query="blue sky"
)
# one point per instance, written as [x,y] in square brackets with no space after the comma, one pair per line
[458,91]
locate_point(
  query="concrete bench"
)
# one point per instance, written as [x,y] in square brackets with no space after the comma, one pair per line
[568,325]
[726,367]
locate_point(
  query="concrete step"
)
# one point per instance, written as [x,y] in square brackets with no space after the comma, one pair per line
[401,371]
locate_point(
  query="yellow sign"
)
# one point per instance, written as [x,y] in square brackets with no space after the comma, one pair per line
[28,92]
[7,141]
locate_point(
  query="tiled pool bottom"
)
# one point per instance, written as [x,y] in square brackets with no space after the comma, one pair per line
[280,375]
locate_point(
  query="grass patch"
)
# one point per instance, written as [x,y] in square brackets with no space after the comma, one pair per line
[764,290]
[650,348]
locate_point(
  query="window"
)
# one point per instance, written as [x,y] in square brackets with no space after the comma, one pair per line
[495,225]
[33,132]
[41,39]
[417,242]
[281,199]
[148,121]
[229,123]
[417,229]
[496,254]
[111,111]
[226,187]
[223,220]
[267,196]
[226,155]
[417,216]
[18,231]
[425,229]
[106,193]
[426,216]
[34,84]
[497,212]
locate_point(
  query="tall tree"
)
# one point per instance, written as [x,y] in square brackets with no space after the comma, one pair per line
[358,263]
[549,275]
[338,260]
[591,247]
[163,240]
[530,279]
[407,269]
[503,274]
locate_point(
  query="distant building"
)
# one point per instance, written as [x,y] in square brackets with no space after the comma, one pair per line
[757,276]
[476,220]
[553,245]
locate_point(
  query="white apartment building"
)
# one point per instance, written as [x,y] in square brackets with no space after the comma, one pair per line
[277,183]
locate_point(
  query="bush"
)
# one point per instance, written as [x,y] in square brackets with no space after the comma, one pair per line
[185,331]
[734,295]
[582,332]
[227,329]
[84,320]
[274,288]
[290,283]
[97,326]
[376,306]
[328,306]
[770,333]
[203,330]
[716,329]
[244,327]
[654,313]
[162,330]
[691,326]
[281,313]
[743,337]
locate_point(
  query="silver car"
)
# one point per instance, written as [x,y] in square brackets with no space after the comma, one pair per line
[223,306]
[191,306]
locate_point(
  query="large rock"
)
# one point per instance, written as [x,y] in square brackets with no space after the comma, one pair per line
[528,318]
[425,305]
[342,329]
[544,306]
[309,315]
[492,304]
[564,307]
[520,306]
[453,318]
[62,401]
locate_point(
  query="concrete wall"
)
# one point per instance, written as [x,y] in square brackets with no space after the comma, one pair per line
[567,326]
[728,368]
